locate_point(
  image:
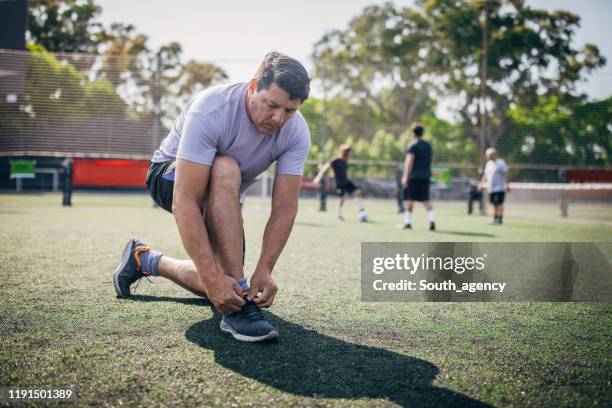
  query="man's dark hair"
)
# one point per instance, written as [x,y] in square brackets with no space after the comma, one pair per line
[418,129]
[286,72]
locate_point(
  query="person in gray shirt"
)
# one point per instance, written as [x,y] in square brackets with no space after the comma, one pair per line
[495,180]
[223,139]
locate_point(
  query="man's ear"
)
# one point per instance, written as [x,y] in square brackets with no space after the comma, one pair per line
[252,86]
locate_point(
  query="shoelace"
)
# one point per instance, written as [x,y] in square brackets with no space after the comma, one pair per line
[253,312]
[138,282]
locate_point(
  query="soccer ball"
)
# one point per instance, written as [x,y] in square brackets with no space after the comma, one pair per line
[363,216]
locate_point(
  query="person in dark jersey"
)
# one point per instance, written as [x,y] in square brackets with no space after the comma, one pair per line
[417,175]
[343,184]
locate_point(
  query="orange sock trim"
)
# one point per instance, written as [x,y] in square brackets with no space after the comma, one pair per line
[137,253]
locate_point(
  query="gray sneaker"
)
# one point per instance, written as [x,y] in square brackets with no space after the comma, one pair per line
[129,271]
[249,324]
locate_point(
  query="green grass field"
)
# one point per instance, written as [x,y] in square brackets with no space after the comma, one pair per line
[62,326]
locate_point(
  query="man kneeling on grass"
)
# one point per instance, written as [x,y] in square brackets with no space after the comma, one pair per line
[223,139]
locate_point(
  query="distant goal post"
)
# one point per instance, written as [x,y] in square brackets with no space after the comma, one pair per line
[566,191]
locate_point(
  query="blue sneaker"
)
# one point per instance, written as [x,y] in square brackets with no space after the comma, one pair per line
[129,271]
[249,324]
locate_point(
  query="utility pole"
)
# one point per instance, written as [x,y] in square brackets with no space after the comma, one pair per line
[157,102]
[157,106]
[483,84]
[323,141]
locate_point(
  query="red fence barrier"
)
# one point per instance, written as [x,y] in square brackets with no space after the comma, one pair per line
[109,173]
[589,176]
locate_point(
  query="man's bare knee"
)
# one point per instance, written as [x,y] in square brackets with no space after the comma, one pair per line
[225,174]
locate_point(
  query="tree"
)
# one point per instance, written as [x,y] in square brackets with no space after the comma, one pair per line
[65,25]
[123,51]
[551,132]
[56,91]
[149,77]
[121,56]
[396,63]
[530,53]
[56,94]
[375,64]
[591,126]
[192,78]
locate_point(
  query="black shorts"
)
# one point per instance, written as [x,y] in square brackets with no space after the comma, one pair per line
[418,190]
[348,187]
[497,198]
[160,183]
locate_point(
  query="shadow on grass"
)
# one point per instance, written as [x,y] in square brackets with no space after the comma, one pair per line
[468,233]
[304,362]
[539,224]
[310,224]
[184,301]
[3,211]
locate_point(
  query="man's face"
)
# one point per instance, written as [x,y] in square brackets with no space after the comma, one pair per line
[269,109]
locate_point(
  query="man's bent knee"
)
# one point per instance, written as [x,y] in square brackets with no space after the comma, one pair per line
[225,173]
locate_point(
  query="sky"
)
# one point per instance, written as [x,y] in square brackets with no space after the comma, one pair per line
[236,34]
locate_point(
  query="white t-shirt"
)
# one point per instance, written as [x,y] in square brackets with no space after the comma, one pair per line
[494,172]
[216,122]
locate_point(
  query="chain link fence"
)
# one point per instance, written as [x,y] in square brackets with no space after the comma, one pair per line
[98,106]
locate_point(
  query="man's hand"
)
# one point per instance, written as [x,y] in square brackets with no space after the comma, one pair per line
[405,182]
[224,292]
[262,282]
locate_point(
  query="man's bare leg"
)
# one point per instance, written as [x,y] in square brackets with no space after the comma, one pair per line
[408,207]
[223,216]
[430,215]
[181,272]
[224,224]
[358,197]
[339,208]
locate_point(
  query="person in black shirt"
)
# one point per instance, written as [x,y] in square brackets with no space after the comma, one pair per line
[343,184]
[416,176]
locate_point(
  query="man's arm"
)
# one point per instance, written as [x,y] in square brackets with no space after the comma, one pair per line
[285,196]
[407,169]
[190,186]
[482,182]
[505,172]
[507,182]
[322,171]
